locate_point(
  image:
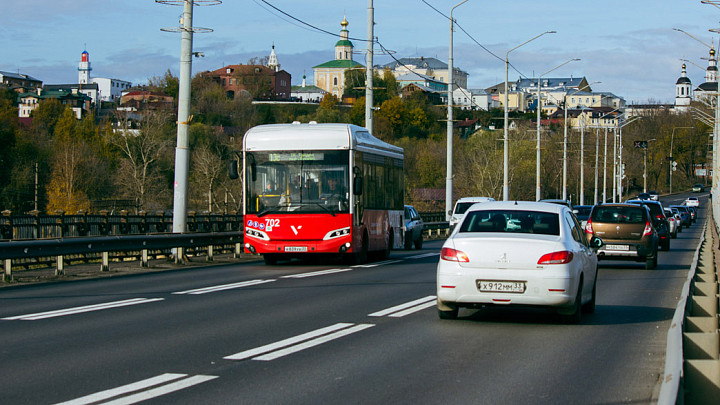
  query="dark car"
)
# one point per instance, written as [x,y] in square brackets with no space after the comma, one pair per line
[582,213]
[644,196]
[413,225]
[654,195]
[698,188]
[659,221]
[627,233]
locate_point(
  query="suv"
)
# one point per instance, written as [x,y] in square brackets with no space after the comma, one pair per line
[698,188]
[659,221]
[627,233]
[413,226]
[462,205]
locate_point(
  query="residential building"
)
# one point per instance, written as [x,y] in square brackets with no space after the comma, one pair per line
[307,93]
[260,82]
[330,76]
[110,89]
[474,99]
[79,102]
[89,89]
[431,67]
[19,82]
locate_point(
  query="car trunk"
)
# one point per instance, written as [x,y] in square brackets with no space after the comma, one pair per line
[489,251]
[616,231]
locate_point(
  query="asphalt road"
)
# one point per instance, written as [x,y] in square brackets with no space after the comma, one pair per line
[324,332]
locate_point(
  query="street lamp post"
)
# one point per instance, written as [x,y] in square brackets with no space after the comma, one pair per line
[506,139]
[537,147]
[565,138]
[645,150]
[672,139]
[449,171]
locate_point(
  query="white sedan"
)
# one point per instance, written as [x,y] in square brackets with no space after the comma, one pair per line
[518,253]
[692,202]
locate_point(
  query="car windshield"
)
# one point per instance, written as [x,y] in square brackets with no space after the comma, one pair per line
[461,207]
[619,215]
[583,212]
[509,221]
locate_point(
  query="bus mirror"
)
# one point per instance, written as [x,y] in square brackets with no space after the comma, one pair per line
[233,169]
[357,185]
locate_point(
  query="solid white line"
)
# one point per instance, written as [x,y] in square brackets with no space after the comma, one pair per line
[413,309]
[377,264]
[317,273]
[287,342]
[162,390]
[311,343]
[423,255]
[78,310]
[404,306]
[136,386]
[224,287]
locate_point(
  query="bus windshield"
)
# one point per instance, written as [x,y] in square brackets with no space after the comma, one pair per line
[297,182]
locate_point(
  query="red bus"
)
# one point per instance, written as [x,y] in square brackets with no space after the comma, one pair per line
[321,189]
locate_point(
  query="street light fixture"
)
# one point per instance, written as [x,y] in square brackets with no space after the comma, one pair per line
[506,139]
[537,147]
[449,171]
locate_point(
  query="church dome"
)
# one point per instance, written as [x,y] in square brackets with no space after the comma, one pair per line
[683,80]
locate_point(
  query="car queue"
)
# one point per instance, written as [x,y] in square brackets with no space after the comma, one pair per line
[495,251]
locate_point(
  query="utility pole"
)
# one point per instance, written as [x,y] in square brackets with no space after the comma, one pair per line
[369,68]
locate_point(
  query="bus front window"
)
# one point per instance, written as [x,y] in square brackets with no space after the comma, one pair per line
[298,181]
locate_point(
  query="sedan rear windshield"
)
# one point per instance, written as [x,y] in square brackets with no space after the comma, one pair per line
[546,223]
[619,215]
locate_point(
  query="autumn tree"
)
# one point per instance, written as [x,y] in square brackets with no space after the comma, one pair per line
[139,175]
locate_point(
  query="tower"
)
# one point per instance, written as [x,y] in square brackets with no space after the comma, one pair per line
[84,68]
[273,62]
[711,74]
[343,47]
[683,90]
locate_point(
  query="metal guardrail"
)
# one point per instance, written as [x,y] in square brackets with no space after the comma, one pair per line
[28,250]
[15,227]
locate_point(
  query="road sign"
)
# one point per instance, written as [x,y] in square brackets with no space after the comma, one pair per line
[641,144]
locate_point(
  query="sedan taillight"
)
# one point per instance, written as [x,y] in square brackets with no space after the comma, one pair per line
[561,257]
[453,255]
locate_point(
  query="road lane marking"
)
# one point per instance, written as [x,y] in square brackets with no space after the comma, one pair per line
[317,273]
[424,255]
[369,265]
[223,287]
[164,383]
[407,308]
[298,343]
[315,342]
[79,310]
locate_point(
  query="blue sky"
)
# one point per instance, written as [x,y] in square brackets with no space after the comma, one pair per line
[629,46]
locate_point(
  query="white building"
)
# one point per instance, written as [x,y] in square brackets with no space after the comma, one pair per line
[474,99]
[111,89]
[683,91]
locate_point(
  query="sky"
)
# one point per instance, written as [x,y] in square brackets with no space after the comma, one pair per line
[628,47]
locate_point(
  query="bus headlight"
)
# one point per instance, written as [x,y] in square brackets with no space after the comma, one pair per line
[254,233]
[337,233]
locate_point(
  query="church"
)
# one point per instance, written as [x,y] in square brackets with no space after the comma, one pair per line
[330,76]
[684,92]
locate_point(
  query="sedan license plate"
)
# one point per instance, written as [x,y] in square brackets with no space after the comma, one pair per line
[296,248]
[617,247]
[501,286]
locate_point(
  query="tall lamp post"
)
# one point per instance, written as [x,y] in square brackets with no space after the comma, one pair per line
[449,178]
[671,166]
[565,138]
[645,151]
[506,139]
[537,147]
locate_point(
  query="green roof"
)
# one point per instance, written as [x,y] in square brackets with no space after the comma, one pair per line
[339,63]
[343,42]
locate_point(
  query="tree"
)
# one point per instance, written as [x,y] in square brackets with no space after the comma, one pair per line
[138,175]
[167,84]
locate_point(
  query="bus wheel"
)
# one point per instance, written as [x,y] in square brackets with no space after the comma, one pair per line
[361,256]
[270,259]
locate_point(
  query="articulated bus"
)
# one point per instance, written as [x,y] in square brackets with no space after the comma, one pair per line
[321,188]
